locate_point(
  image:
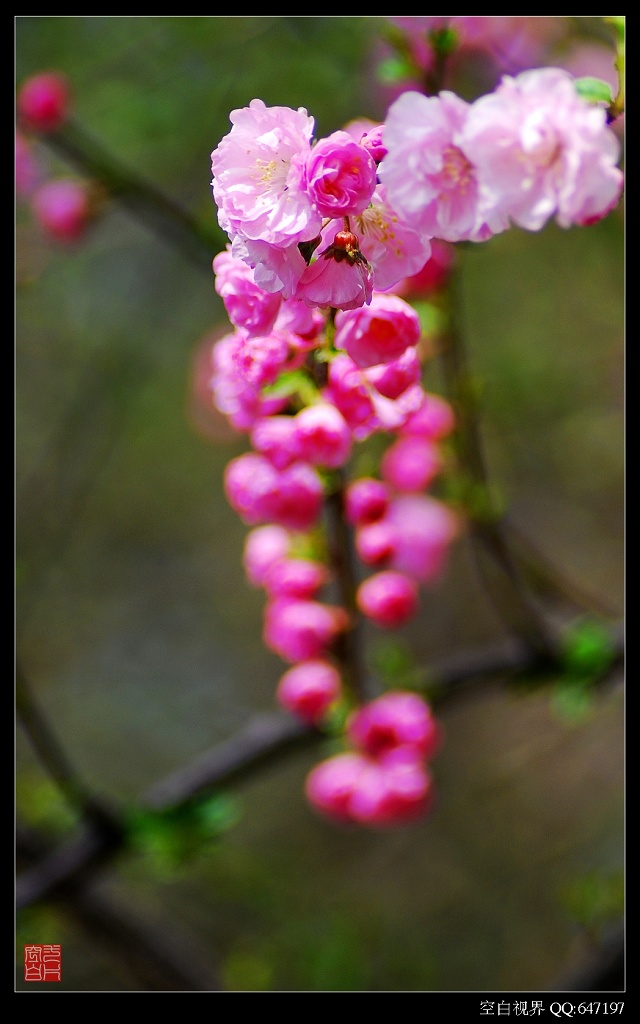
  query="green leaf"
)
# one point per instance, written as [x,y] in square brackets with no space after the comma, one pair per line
[588,648]
[296,382]
[593,90]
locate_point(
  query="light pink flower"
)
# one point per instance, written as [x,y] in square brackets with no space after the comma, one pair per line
[263,547]
[430,181]
[425,529]
[541,151]
[340,175]
[378,333]
[338,277]
[247,305]
[241,401]
[62,208]
[276,268]
[391,244]
[257,175]
[433,419]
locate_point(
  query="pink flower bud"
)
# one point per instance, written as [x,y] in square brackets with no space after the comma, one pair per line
[376,542]
[301,630]
[62,209]
[393,791]
[366,500]
[410,464]
[330,785]
[309,689]
[340,176]
[260,493]
[277,438]
[43,102]
[300,578]
[247,305]
[434,419]
[396,719]
[263,547]
[379,332]
[389,598]
[392,379]
[324,438]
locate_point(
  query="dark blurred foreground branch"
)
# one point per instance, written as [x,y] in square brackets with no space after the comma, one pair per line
[156,957]
[265,740]
[144,200]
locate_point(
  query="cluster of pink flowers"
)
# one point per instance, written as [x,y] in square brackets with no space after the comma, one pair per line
[326,238]
[63,207]
[383,779]
[305,402]
[531,150]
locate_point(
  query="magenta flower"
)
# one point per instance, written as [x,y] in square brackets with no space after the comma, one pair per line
[247,305]
[301,630]
[263,547]
[340,176]
[389,598]
[392,379]
[27,171]
[260,493]
[43,102]
[241,401]
[277,438]
[424,529]
[430,180]
[379,333]
[257,175]
[299,578]
[540,150]
[411,463]
[308,689]
[366,500]
[398,718]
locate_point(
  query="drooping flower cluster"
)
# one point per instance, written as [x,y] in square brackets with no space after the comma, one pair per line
[326,238]
[306,388]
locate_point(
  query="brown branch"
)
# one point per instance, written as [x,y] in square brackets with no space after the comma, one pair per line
[265,740]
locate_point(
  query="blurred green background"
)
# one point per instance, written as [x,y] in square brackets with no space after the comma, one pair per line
[141,638]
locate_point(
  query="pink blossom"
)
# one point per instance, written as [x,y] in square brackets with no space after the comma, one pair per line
[43,101]
[247,305]
[340,176]
[398,718]
[391,244]
[257,175]
[301,630]
[389,598]
[376,542]
[276,268]
[300,578]
[339,277]
[366,500]
[392,379]
[63,209]
[411,463]
[541,150]
[425,528]
[354,788]
[378,333]
[240,401]
[263,547]
[277,438]
[309,689]
[304,324]
[261,358]
[434,419]
[260,493]
[430,180]
[323,436]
